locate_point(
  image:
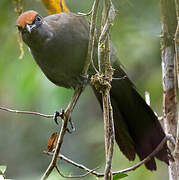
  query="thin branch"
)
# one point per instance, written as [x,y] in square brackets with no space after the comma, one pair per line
[25,112]
[108,168]
[92,35]
[67,115]
[85,14]
[80,166]
[104,64]
[77,176]
[148,158]
[105,30]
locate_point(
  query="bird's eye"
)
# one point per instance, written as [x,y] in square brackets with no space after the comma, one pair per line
[38,19]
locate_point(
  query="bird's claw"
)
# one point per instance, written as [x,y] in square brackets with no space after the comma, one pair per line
[55,117]
[62,114]
[58,114]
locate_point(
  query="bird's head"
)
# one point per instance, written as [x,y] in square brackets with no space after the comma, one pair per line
[29,21]
[29,25]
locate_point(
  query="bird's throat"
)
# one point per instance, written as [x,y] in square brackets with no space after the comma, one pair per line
[38,37]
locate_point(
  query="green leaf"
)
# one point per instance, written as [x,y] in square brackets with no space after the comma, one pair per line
[3,168]
[119,176]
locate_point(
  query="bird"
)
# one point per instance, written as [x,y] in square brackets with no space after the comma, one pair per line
[59,44]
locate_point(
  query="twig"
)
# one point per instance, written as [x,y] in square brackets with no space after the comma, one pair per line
[89,57]
[121,78]
[26,112]
[105,30]
[77,176]
[85,14]
[148,158]
[105,68]
[73,163]
[108,168]
[67,115]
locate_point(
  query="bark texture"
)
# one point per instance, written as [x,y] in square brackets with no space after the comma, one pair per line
[169,24]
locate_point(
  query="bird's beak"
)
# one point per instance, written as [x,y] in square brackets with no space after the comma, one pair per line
[29,27]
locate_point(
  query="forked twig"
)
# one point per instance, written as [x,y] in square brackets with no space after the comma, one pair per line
[132,168]
[77,176]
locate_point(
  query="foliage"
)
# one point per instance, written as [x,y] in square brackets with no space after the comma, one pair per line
[119,176]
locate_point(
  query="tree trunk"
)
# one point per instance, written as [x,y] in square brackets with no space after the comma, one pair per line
[169,24]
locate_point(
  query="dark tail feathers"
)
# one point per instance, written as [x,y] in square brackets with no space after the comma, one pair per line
[137,129]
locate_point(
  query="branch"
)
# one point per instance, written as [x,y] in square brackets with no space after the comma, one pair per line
[169,24]
[148,158]
[85,14]
[80,166]
[104,34]
[66,118]
[77,176]
[26,112]
[106,73]
[92,34]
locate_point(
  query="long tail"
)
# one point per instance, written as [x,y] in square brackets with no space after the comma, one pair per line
[137,129]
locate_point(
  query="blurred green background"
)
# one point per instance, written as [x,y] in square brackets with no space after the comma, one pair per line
[23,138]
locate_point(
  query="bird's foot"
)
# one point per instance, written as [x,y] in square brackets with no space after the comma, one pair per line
[56,115]
[61,115]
